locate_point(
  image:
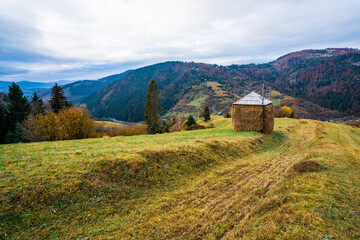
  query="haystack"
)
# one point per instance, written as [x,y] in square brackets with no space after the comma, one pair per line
[253,113]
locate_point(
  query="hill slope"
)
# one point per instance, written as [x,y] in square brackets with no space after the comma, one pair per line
[329,78]
[77,91]
[210,183]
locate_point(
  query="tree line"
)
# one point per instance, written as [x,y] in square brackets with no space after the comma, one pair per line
[21,120]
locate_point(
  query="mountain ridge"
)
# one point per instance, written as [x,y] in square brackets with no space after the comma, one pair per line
[311,75]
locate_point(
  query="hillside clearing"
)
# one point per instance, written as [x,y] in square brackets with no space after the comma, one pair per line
[206,184]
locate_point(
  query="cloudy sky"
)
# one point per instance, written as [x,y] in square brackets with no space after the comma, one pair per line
[47,40]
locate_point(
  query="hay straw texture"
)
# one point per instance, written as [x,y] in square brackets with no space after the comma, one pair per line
[252,118]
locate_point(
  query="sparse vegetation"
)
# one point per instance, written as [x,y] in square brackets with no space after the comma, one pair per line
[211,183]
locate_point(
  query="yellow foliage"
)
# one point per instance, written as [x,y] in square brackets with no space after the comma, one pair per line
[288,112]
[69,123]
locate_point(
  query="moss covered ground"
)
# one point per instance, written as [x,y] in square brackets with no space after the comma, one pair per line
[204,184]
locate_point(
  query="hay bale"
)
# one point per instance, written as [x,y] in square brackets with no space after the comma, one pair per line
[247,118]
[253,118]
[269,114]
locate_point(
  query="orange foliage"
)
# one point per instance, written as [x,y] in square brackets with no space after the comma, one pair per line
[69,123]
[288,112]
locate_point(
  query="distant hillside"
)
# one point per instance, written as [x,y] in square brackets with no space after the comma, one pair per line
[78,90]
[125,98]
[29,88]
[329,79]
[3,98]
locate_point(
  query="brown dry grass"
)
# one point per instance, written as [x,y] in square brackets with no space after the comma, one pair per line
[247,118]
[235,188]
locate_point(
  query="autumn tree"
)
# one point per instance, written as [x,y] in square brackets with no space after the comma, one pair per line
[153,108]
[69,123]
[37,105]
[58,99]
[206,114]
[18,106]
[288,112]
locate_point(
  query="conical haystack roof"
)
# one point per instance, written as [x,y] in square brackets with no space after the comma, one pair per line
[253,99]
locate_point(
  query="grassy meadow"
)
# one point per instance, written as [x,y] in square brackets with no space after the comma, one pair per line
[204,184]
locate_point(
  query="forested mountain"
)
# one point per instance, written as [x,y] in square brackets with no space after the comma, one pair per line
[77,91]
[330,77]
[125,98]
[327,77]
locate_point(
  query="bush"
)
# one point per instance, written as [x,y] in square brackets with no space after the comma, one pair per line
[69,123]
[127,130]
[288,112]
[196,127]
[353,123]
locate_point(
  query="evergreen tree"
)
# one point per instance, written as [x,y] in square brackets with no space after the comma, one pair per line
[206,114]
[153,108]
[18,107]
[3,123]
[190,121]
[37,105]
[58,99]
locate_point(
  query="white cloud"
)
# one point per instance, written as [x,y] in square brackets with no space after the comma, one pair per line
[112,31]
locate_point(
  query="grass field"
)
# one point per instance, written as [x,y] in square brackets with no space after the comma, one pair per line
[205,184]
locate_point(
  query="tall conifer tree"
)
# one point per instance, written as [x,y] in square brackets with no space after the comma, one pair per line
[3,123]
[153,108]
[206,114]
[18,106]
[37,105]
[58,99]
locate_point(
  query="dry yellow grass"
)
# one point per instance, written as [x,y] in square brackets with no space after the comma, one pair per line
[206,184]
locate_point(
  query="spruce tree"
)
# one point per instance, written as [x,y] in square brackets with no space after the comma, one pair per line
[190,121]
[58,99]
[3,123]
[206,114]
[18,107]
[153,108]
[37,105]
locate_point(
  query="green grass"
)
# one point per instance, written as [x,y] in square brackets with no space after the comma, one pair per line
[198,101]
[205,184]
[275,102]
[108,124]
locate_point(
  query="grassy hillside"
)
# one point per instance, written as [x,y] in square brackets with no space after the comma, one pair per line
[206,184]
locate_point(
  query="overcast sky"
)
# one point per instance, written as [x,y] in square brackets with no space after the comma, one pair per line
[46,40]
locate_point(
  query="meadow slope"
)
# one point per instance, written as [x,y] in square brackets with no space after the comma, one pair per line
[205,184]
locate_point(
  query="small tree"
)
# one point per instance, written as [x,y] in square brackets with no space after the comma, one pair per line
[190,121]
[288,112]
[37,105]
[58,99]
[18,107]
[153,108]
[206,114]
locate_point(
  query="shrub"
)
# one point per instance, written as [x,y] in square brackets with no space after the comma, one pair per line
[288,112]
[196,127]
[127,130]
[353,123]
[69,123]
